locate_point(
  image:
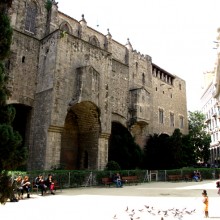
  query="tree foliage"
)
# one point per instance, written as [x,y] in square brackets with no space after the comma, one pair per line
[123,148]
[157,152]
[169,152]
[12,152]
[199,137]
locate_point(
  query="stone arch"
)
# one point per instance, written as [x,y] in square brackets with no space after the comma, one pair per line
[65,26]
[79,141]
[31,15]
[119,118]
[94,41]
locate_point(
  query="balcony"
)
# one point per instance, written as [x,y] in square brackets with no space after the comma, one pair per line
[214,114]
[207,120]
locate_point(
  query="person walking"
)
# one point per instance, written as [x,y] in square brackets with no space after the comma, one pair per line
[218,186]
[206,203]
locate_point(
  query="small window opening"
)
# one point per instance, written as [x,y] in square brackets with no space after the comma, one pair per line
[23,59]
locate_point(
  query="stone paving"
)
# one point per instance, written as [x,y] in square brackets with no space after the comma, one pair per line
[154,200]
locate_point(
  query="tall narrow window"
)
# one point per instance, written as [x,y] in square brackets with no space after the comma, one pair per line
[171,120]
[181,121]
[31,14]
[161,116]
[143,78]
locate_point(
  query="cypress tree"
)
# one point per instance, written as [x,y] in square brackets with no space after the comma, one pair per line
[12,153]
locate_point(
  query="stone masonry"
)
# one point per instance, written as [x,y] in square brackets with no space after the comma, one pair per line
[75,82]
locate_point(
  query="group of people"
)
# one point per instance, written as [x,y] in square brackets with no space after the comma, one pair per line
[23,185]
[20,186]
[45,184]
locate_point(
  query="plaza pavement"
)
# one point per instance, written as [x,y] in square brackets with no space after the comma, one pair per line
[153,200]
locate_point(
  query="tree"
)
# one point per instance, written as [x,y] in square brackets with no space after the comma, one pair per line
[12,152]
[123,148]
[176,146]
[169,152]
[198,136]
[158,152]
[125,151]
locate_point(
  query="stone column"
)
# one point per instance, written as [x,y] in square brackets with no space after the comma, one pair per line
[103,150]
[52,158]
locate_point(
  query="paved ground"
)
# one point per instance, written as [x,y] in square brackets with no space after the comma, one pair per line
[154,200]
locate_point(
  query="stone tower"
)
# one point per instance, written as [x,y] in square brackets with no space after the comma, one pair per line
[70,83]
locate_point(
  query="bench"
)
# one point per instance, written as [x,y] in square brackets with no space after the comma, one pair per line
[35,187]
[174,177]
[188,177]
[107,181]
[57,186]
[130,179]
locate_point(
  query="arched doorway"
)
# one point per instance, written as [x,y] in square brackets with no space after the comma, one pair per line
[21,124]
[22,121]
[122,147]
[79,142]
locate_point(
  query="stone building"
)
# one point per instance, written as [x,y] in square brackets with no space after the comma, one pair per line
[70,84]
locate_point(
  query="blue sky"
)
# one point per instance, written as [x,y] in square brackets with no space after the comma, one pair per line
[177,34]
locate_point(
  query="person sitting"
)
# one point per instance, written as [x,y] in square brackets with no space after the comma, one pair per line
[50,183]
[195,177]
[26,186]
[117,180]
[199,175]
[19,187]
[41,184]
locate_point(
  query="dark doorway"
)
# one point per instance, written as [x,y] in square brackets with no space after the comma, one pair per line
[122,148]
[21,121]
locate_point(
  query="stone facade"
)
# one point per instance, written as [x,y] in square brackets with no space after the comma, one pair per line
[75,82]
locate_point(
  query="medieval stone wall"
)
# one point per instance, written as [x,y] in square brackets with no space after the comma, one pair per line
[78,81]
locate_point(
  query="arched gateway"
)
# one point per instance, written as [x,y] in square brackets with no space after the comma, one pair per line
[79,142]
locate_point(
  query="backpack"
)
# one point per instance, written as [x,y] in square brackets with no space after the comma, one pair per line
[218,184]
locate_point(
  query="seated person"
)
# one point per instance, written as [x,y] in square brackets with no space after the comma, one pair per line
[50,184]
[194,176]
[199,175]
[19,187]
[41,184]
[117,180]
[26,186]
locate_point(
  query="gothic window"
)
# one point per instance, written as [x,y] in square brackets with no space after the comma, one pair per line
[181,121]
[171,120]
[31,14]
[161,116]
[94,41]
[66,27]
[143,79]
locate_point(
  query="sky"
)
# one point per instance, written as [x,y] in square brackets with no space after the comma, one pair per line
[179,35]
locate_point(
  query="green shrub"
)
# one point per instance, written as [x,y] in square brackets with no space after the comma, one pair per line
[113,165]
